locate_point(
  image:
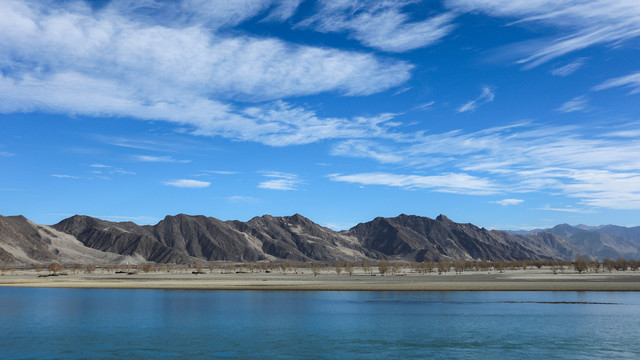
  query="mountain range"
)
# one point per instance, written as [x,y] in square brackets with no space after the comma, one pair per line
[189,239]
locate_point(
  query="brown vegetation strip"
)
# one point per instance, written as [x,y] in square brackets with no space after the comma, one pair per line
[514,281]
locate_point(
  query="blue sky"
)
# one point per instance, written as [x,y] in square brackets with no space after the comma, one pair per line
[507,114]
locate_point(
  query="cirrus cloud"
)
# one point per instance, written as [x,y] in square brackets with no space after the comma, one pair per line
[188,183]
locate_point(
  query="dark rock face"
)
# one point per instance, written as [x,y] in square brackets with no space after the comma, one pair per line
[204,238]
[183,238]
[125,238]
[299,239]
[416,238]
[187,239]
[20,240]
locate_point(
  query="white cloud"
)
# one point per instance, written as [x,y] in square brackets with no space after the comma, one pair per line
[365,149]
[486,96]
[381,25]
[566,209]
[425,106]
[99,166]
[602,188]
[242,199]
[507,202]
[220,172]
[178,68]
[121,172]
[160,62]
[6,154]
[578,103]
[631,81]
[569,68]
[187,183]
[459,183]
[280,181]
[601,170]
[583,23]
[64,176]
[283,10]
[159,159]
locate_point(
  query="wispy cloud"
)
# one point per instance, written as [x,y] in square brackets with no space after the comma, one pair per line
[188,183]
[158,159]
[565,209]
[365,149]
[486,96]
[143,75]
[220,172]
[121,172]
[425,106]
[578,103]
[569,68]
[459,183]
[99,166]
[381,25]
[280,181]
[582,23]
[630,81]
[64,176]
[6,154]
[600,170]
[283,10]
[242,199]
[508,202]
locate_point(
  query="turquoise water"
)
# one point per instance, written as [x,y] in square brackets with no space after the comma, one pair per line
[74,324]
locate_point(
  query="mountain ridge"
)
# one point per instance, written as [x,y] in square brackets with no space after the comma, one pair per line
[186,238]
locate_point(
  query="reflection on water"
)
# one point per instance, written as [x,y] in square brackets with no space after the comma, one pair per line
[73,323]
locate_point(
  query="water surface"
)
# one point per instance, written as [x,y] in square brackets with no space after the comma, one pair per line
[89,323]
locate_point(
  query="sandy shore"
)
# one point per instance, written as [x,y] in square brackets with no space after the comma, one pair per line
[518,280]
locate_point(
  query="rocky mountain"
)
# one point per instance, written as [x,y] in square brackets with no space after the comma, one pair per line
[183,238]
[188,239]
[600,242]
[416,238]
[25,242]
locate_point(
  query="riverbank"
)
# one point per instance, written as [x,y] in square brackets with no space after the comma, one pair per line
[516,280]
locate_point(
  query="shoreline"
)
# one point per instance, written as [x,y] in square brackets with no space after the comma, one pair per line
[517,280]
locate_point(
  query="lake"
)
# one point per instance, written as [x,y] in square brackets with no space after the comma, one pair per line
[87,323]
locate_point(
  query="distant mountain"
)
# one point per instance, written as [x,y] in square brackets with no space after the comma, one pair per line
[188,239]
[604,241]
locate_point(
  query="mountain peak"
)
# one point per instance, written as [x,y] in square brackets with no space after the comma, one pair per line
[443,218]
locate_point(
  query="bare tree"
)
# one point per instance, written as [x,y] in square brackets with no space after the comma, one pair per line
[284,266]
[338,266]
[75,267]
[383,267]
[349,268]
[608,264]
[55,268]
[366,267]
[395,267]
[315,268]
[580,264]
[444,266]
[89,269]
